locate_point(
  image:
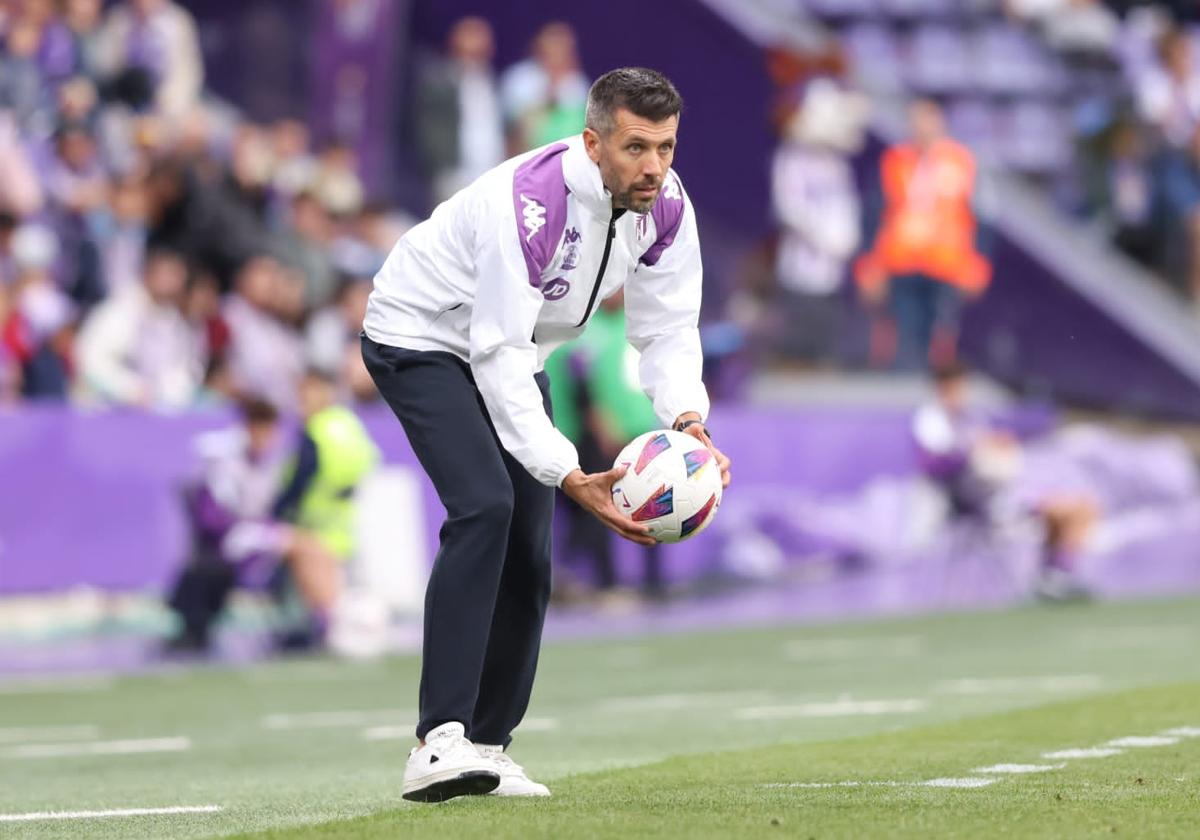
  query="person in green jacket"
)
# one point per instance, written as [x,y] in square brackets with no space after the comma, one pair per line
[333,455]
[600,406]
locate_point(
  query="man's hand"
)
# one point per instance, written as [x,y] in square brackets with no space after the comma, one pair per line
[594,494]
[697,431]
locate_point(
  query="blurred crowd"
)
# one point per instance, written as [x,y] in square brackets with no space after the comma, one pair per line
[157,249]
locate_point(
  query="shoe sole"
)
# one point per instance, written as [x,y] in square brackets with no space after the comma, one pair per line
[468,783]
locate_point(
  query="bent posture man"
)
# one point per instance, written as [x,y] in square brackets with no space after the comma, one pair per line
[465,311]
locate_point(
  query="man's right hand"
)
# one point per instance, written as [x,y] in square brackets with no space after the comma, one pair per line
[593,492]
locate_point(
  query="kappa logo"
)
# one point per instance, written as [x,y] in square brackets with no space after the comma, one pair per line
[535,216]
[671,188]
[572,235]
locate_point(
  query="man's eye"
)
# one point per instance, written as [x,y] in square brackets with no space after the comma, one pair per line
[635,148]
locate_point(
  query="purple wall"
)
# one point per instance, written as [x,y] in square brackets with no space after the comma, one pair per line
[93,498]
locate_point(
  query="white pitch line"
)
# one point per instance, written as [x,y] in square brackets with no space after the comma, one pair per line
[128,747]
[835,708]
[1143,741]
[1053,684]
[972,782]
[81,732]
[1183,732]
[1019,768]
[118,812]
[1086,752]
[331,719]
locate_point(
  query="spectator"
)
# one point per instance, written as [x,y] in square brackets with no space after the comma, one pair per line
[10,365]
[545,96]
[266,353]
[1179,194]
[82,18]
[924,262]
[1168,94]
[460,123]
[137,349]
[307,241]
[332,337]
[816,203]
[38,331]
[154,42]
[123,238]
[20,187]
[78,191]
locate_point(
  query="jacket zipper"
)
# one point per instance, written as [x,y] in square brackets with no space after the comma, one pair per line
[612,234]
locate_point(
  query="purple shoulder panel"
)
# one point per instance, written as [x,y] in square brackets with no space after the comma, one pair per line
[540,202]
[668,215]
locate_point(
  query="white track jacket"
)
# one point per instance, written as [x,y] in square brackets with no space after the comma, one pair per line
[513,266]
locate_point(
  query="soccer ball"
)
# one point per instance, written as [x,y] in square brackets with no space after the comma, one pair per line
[673,485]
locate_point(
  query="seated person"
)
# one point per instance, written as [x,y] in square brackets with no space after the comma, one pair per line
[978,468]
[234,538]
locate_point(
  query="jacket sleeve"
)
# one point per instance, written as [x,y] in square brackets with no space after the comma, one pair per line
[503,356]
[662,312]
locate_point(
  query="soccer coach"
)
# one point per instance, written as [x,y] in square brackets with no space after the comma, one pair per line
[465,310]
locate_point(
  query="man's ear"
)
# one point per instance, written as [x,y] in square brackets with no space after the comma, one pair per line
[591,144]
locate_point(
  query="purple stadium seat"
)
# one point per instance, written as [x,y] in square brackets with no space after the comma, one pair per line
[1035,137]
[919,9]
[1011,60]
[973,122]
[939,59]
[843,8]
[875,55]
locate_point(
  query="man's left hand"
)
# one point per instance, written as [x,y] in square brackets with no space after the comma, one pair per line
[698,431]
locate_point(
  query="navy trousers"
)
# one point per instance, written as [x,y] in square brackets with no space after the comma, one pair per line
[490,584]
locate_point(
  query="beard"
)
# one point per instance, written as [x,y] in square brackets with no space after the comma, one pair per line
[636,203]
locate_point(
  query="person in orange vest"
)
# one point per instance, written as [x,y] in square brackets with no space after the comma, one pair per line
[923,262]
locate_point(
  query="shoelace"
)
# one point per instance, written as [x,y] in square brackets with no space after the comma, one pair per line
[507,765]
[452,745]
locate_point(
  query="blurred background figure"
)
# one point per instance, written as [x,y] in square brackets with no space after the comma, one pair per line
[234,541]
[545,96]
[815,199]
[460,120]
[137,347]
[923,262]
[599,405]
[978,466]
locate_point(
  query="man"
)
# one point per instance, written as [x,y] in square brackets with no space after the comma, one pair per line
[924,259]
[464,314]
[333,456]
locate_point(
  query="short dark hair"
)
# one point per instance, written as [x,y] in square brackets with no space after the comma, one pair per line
[256,411]
[647,93]
[949,371]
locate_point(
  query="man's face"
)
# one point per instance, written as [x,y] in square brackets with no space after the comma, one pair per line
[633,158]
[261,436]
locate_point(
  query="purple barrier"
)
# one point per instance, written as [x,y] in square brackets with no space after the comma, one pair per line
[92,499]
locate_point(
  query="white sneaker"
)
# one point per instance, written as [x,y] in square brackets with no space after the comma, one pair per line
[513,781]
[448,765]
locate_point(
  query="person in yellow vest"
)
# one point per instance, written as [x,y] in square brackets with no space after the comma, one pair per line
[334,454]
[924,262]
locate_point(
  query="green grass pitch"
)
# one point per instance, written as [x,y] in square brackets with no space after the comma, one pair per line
[807,731]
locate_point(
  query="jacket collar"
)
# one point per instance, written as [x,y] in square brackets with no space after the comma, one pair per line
[583,179]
